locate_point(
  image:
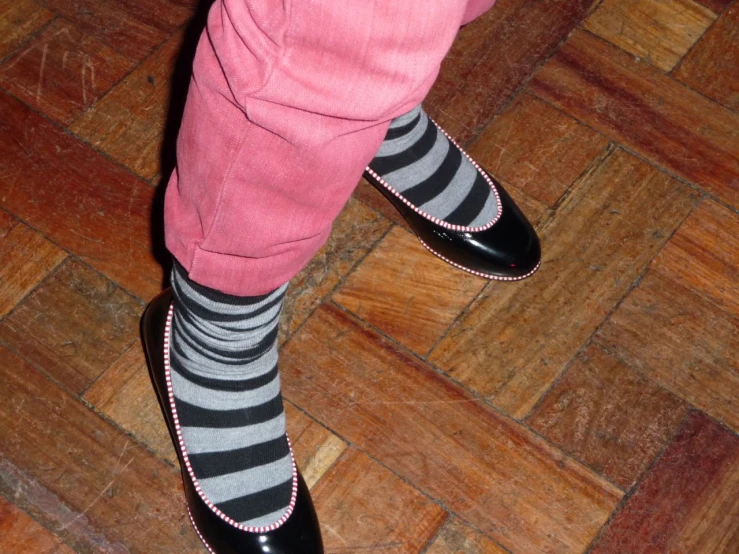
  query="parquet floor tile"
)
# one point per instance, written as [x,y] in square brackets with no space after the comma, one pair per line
[26,258]
[73,326]
[19,20]
[690,348]
[712,66]
[609,417]
[658,31]
[125,395]
[354,233]
[537,148]
[75,197]
[133,28]
[482,466]
[704,255]
[83,478]
[716,5]
[368,509]
[689,501]
[316,448]
[407,293]
[128,123]
[458,538]
[520,35]
[20,533]
[518,337]
[590,409]
[640,107]
[62,71]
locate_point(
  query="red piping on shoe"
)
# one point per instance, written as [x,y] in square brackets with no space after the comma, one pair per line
[436,220]
[183,450]
[479,274]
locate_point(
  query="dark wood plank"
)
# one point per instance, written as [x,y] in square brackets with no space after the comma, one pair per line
[484,467]
[125,394]
[128,124]
[373,198]
[458,538]
[73,326]
[19,20]
[132,27]
[63,71]
[689,501]
[690,348]
[609,417]
[640,107]
[81,477]
[365,508]
[537,148]
[521,35]
[406,292]
[659,32]
[712,66]
[20,533]
[704,255]
[76,198]
[354,233]
[26,258]
[519,337]
[716,5]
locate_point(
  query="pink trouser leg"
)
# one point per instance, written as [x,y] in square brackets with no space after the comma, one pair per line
[288,103]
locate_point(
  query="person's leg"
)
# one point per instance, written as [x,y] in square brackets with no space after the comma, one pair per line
[288,103]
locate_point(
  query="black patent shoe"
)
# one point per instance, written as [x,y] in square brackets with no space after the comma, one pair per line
[505,249]
[297,532]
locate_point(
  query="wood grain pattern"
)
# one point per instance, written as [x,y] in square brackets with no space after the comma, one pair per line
[73,326]
[716,5]
[712,66]
[690,348]
[26,258]
[406,292]
[62,71]
[316,448]
[128,124]
[640,107]
[704,255]
[132,27]
[354,233]
[659,31]
[609,417]
[90,207]
[126,396]
[441,439]
[536,148]
[19,20]
[689,501]
[458,538]
[520,36]
[520,336]
[81,477]
[368,509]
[20,533]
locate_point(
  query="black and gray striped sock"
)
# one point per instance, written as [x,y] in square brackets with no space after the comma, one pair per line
[420,162]
[223,361]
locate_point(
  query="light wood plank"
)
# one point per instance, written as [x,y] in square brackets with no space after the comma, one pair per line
[519,337]
[484,467]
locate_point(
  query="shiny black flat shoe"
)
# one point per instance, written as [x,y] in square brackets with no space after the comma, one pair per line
[297,532]
[505,249]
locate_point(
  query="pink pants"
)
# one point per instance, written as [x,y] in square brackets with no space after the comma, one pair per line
[289,101]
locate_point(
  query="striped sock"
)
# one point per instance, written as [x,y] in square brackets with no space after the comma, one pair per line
[227,394]
[427,169]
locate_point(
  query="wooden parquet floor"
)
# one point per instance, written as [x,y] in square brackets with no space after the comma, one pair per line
[592,408]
